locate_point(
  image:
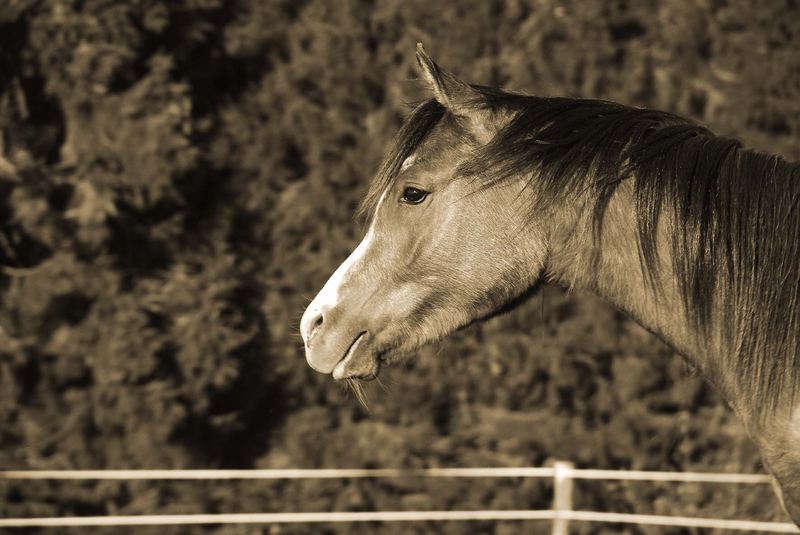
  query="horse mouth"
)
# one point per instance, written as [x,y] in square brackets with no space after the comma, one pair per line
[354,365]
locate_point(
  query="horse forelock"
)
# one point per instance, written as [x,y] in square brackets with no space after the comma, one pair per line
[416,128]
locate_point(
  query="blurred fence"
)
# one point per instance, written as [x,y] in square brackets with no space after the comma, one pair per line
[562,473]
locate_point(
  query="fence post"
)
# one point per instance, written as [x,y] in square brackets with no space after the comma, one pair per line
[562,496]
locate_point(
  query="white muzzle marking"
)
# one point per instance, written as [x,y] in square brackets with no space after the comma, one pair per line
[328,297]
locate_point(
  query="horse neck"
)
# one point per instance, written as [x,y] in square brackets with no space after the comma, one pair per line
[612,270]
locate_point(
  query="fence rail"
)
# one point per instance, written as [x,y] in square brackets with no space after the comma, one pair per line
[354,473]
[562,473]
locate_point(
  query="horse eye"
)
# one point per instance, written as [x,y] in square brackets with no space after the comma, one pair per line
[413,195]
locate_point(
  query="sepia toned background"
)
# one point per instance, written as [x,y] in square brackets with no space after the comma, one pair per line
[178,179]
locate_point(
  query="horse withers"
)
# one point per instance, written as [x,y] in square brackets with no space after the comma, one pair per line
[486,194]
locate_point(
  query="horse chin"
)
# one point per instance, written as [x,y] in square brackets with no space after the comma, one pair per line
[359,363]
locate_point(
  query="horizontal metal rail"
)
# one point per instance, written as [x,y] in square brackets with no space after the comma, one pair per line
[396,516]
[340,473]
[563,472]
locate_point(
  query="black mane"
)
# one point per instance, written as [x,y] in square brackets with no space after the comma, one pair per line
[736,211]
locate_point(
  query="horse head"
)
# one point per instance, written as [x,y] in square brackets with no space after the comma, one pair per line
[441,251]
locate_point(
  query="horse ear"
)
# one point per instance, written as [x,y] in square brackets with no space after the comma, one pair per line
[448,90]
[454,94]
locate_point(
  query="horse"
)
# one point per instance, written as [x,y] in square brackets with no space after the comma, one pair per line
[488,194]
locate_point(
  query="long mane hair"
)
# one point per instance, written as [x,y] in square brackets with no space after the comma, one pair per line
[736,212]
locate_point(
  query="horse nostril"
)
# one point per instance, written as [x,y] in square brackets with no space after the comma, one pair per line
[316,323]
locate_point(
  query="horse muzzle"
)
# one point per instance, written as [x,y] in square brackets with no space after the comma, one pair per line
[358,362]
[336,349]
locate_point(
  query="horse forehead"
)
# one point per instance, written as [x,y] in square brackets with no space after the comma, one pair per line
[446,136]
[408,162]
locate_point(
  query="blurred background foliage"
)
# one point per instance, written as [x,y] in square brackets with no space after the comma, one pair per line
[177,180]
